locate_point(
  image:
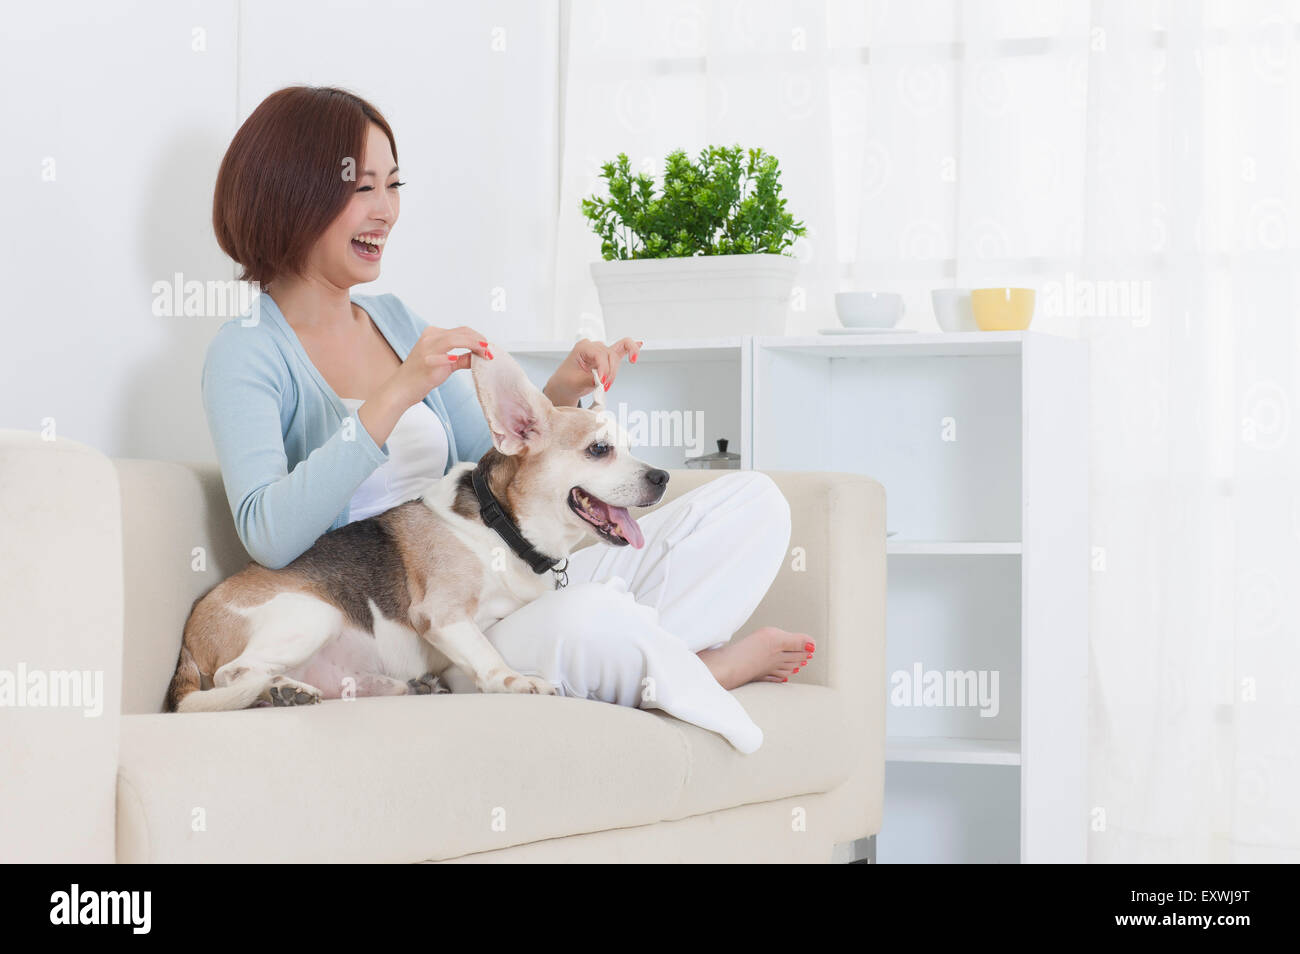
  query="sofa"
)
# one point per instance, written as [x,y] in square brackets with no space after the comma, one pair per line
[102,559]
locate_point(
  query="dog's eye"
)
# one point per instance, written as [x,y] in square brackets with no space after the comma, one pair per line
[599,449]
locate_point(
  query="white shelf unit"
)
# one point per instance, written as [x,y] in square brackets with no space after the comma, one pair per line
[980,442]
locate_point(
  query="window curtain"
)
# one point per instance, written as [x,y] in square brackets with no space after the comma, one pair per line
[1136,162]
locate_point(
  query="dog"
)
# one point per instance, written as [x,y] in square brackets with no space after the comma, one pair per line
[384,605]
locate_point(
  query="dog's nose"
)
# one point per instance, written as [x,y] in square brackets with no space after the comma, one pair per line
[657,477]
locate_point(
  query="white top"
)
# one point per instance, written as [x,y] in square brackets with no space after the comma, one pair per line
[417,456]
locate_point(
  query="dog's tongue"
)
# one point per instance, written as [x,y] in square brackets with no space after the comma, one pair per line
[627,527]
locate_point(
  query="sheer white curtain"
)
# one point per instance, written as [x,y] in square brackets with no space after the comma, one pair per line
[1137,163]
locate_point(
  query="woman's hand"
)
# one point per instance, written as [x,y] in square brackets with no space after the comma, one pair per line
[572,379]
[429,364]
[426,367]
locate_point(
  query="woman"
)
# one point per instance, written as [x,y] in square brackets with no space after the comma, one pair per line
[327,408]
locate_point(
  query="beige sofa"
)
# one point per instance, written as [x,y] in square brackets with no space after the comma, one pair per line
[102,560]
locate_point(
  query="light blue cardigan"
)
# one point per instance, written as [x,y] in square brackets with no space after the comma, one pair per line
[289,465]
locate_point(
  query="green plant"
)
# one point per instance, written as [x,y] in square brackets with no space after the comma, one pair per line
[728,202]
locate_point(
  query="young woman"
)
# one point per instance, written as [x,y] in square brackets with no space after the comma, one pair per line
[327,407]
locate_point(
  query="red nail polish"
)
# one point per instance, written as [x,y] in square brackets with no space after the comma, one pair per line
[797,668]
[489,354]
[633,359]
[452,357]
[482,344]
[785,680]
[808,647]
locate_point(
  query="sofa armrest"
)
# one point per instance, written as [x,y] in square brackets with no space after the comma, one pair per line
[60,650]
[832,586]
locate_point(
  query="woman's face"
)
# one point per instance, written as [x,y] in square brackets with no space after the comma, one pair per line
[339,256]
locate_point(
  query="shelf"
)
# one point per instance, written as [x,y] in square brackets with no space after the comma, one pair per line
[951,548]
[913,345]
[667,349]
[949,750]
[825,346]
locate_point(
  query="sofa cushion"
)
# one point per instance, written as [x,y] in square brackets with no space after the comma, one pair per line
[806,748]
[432,777]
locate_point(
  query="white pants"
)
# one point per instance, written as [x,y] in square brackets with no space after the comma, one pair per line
[628,626]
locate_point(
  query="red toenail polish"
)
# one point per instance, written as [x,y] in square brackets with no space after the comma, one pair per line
[796,668]
[808,647]
[785,680]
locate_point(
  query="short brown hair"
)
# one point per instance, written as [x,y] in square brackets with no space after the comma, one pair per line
[282,182]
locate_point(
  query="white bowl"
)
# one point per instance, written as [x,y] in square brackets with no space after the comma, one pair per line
[869,309]
[952,309]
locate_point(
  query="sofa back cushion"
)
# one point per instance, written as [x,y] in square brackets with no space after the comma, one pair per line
[178,541]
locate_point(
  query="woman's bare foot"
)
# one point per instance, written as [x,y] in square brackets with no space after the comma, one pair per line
[768,654]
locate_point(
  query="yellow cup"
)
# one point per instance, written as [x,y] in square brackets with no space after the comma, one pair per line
[1003,309]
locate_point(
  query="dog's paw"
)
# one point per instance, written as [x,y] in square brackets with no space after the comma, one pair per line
[528,684]
[507,680]
[426,685]
[287,692]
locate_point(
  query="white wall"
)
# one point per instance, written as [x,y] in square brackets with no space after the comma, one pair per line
[136,121]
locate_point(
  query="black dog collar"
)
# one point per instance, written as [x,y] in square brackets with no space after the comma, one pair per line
[494,516]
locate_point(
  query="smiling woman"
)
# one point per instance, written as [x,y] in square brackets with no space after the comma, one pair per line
[289,173]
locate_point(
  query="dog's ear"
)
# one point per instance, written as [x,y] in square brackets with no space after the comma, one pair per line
[517,412]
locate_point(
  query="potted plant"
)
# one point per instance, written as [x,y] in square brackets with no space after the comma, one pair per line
[703,256]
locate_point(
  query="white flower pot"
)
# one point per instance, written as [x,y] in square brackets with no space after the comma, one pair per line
[704,296]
